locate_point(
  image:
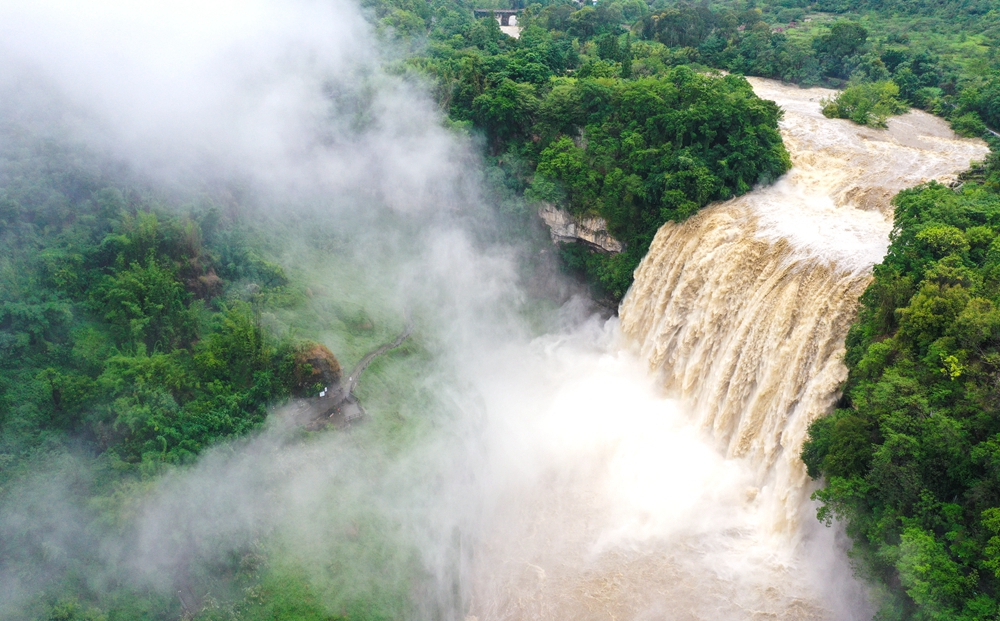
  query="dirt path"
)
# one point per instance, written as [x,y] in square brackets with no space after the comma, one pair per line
[337,404]
[355,375]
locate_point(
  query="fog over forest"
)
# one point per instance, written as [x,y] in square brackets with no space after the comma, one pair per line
[202,203]
[283,110]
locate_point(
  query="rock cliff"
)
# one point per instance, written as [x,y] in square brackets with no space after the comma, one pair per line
[591,230]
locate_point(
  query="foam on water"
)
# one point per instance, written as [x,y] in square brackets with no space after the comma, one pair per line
[686,498]
[835,202]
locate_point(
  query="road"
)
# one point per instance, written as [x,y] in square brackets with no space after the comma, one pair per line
[351,381]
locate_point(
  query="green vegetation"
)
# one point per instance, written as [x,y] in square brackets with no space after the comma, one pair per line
[941,57]
[128,325]
[650,151]
[909,456]
[136,331]
[577,112]
[870,103]
[580,153]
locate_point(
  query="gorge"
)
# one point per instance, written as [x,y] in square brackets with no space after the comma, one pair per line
[206,209]
[694,503]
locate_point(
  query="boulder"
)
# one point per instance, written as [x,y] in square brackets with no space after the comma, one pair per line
[315,364]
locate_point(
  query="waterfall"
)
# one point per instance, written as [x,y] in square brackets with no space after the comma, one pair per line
[743,309]
[662,479]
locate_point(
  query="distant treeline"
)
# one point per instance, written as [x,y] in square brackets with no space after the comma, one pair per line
[942,71]
[940,57]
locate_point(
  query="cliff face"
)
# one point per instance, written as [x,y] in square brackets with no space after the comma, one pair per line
[591,230]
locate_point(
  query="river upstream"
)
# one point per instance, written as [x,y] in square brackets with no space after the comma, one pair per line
[642,468]
[683,497]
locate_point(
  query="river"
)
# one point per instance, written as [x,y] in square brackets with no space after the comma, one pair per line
[665,480]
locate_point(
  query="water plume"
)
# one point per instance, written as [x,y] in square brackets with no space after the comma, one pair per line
[685,498]
[743,309]
[502,475]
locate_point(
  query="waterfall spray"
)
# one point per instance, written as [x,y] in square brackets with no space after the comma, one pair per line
[686,499]
[743,310]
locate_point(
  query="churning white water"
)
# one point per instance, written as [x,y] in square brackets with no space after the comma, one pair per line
[679,494]
[646,469]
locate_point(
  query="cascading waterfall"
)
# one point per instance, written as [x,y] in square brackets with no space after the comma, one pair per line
[743,309]
[683,496]
[748,336]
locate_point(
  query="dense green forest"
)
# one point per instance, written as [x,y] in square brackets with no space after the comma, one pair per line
[576,113]
[139,327]
[910,455]
[124,311]
[563,80]
[130,333]
[125,323]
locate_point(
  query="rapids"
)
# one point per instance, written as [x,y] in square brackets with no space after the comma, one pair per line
[744,308]
[679,494]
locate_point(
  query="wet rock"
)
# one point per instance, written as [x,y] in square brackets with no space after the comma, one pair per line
[564,227]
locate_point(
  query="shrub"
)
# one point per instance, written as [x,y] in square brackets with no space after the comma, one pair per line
[868,104]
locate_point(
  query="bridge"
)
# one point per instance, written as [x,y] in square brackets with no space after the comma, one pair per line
[502,15]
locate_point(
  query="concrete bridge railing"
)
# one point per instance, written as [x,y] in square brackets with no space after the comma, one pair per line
[501,15]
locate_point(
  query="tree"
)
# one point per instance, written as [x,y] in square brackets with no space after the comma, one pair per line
[837,47]
[866,103]
[145,306]
[505,111]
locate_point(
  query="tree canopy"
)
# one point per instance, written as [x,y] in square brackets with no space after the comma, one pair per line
[909,456]
[127,323]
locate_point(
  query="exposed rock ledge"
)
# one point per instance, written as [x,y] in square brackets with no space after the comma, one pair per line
[591,230]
